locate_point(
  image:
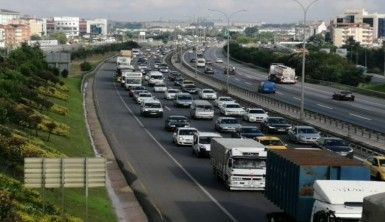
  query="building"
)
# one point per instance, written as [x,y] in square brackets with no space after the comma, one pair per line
[2,37]
[67,25]
[7,16]
[360,32]
[97,27]
[15,34]
[35,25]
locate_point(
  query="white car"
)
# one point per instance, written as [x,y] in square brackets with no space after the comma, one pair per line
[143,96]
[255,115]
[160,87]
[207,94]
[151,107]
[219,60]
[223,100]
[232,109]
[171,93]
[184,136]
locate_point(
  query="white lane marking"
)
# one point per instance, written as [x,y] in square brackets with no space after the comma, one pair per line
[359,116]
[327,107]
[296,98]
[168,108]
[248,83]
[175,161]
[279,93]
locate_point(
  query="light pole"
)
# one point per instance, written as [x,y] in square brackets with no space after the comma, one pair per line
[305,9]
[228,17]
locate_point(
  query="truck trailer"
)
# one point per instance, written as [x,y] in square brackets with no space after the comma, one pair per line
[290,176]
[240,163]
[280,73]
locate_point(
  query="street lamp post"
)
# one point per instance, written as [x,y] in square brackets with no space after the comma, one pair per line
[305,9]
[228,17]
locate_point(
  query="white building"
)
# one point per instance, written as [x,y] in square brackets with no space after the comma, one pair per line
[361,33]
[8,15]
[97,27]
[66,25]
[2,37]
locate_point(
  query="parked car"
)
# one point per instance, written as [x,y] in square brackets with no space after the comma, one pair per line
[160,87]
[190,88]
[175,121]
[134,88]
[336,145]
[207,94]
[223,100]
[227,124]
[151,107]
[232,109]
[275,125]
[271,142]
[343,95]
[267,87]
[184,136]
[249,132]
[171,93]
[304,134]
[218,60]
[183,100]
[209,70]
[376,165]
[255,115]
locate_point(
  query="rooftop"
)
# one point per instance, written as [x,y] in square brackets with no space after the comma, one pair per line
[8,11]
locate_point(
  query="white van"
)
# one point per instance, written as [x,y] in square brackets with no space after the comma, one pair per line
[201,143]
[201,109]
[155,77]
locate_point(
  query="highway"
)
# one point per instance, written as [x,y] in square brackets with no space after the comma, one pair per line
[169,181]
[366,111]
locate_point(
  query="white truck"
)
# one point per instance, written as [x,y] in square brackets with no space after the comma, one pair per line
[120,60]
[240,163]
[132,79]
[280,73]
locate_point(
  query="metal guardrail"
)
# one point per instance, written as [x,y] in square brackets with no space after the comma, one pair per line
[366,141]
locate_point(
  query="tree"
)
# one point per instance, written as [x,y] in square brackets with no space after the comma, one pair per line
[35,121]
[85,66]
[51,126]
[251,31]
[59,36]
[64,73]
[35,37]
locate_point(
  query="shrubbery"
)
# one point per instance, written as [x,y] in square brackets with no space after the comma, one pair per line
[85,66]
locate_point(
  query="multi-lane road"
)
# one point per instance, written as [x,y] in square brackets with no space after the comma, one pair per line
[171,183]
[366,111]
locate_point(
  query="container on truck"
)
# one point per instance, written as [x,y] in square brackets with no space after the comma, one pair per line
[290,175]
[280,73]
[240,163]
[374,208]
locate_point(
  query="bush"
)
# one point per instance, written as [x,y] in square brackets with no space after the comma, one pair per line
[64,73]
[85,66]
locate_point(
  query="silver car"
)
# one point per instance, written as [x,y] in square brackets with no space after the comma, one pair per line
[304,134]
[227,124]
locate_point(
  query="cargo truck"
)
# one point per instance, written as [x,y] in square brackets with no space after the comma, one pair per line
[132,79]
[240,163]
[374,208]
[291,174]
[280,73]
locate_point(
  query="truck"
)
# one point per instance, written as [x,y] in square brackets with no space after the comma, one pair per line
[374,208]
[280,73]
[132,79]
[240,163]
[126,53]
[120,60]
[290,179]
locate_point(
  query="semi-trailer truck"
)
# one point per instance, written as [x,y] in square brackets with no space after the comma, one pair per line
[280,73]
[240,163]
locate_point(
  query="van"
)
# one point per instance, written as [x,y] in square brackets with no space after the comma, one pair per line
[201,142]
[201,109]
[154,77]
[267,87]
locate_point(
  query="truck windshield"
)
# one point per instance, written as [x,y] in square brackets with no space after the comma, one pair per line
[205,140]
[246,163]
[133,81]
[156,77]
[187,132]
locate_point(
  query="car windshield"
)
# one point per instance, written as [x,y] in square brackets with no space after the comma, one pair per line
[156,77]
[277,121]
[307,130]
[178,119]
[144,95]
[336,142]
[229,121]
[187,132]
[250,130]
[173,91]
[204,107]
[272,142]
[256,111]
[185,97]
[382,162]
[208,91]
[233,106]
[246,163]
[226,99]
[189,86]
[152,105]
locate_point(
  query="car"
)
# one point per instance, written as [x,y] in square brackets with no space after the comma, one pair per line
[304,134]
[343,95]
[171,93]
[202,143]
[151,107]
[227,124]
[255,115]
[223,100]
[193,60]
[132,89]
[190,88]
[275,125]
[183,136]
[183,100]
[267,87]
[143,96]
[209,70]
[201,109]
[175,121]
[135,93]
[231,70]
[247,132]
[173,75]
[232,109]
[187,82]
[218,60]
[207,94]
[178,81]
[336,145]
[271,142]
[376,166]
[160,87]
[163,68]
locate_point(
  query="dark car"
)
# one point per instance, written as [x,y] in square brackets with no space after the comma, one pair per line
[173,75]
[193,60]
[209,70]
[336,145]
[132,89]
[344,95]
[249,132]
[275,125]
[178,81]
[190,88]
[173,122]
[231,70]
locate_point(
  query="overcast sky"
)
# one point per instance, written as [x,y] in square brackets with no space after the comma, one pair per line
[277,11]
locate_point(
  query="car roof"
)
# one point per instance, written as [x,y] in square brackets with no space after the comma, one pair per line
[209,134]
[225,117]
[249,127]
[256,109]
[187,128]
[177,116]
[305,127]
[268,138]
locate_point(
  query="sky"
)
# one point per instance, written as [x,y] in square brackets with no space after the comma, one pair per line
[270,11]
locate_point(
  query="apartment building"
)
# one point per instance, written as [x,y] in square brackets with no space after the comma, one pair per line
[360,32]
[2,37]
[15,34]
[7,16]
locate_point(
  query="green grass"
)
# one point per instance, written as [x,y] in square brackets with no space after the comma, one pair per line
[78,145]
[379,88]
